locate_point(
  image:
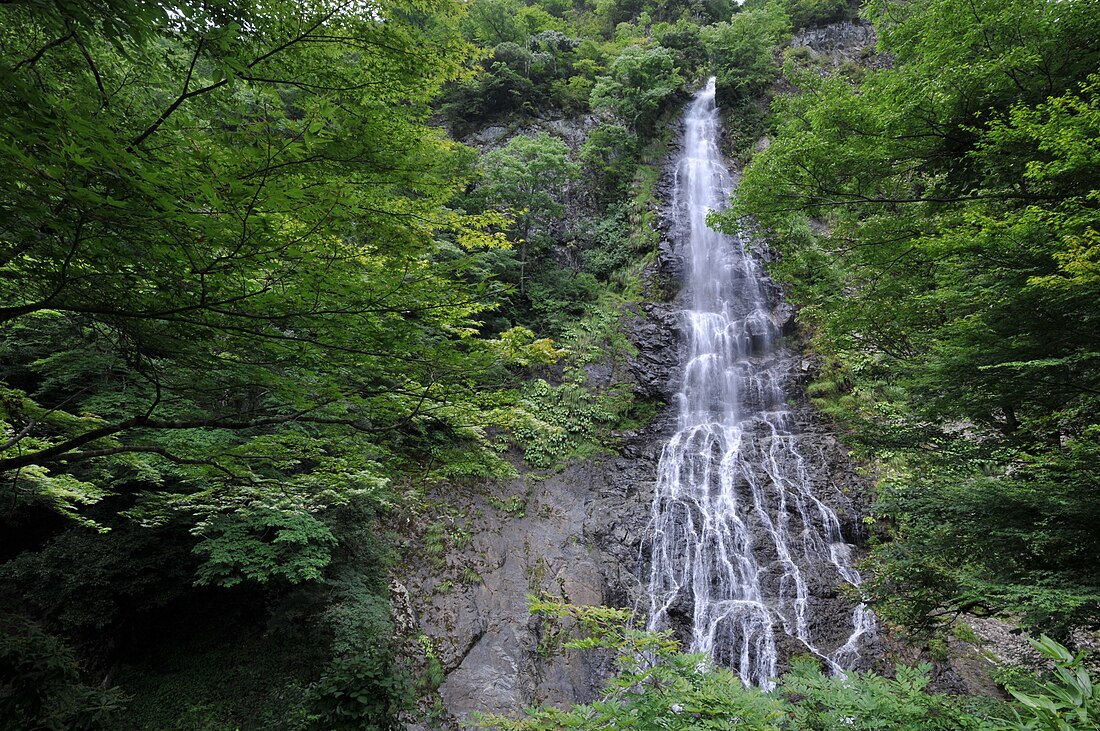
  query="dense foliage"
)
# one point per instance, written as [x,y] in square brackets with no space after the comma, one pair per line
[253,304]
[255,300]
[938,223]
[658,687]
[237,307]
[218,241]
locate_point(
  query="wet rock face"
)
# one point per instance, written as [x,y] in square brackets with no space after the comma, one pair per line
[847,41]
[655,330]
[574,535]
[747,548]
[583,533]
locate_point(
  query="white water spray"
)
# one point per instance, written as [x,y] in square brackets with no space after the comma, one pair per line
[736,525]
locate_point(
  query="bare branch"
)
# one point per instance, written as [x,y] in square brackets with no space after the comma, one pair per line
[104,98]
[18,437]
[186,94]
[66,450]
[42,52]
[161,451]
[189,93]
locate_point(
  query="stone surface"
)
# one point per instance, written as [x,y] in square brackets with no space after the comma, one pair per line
[654,329]
[838,43]
[580,533]
[564,535]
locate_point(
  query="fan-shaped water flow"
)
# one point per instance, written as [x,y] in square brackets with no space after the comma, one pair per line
[736,525]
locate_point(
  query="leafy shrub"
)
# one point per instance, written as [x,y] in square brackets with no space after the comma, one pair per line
[640,84]
[360,692]
[613,246]
[262,542]
[558,296]
[610,155]
[41,688]
[363,687]
[1067,701]
[867,702]
[497,91]
[572,94]
[562,421]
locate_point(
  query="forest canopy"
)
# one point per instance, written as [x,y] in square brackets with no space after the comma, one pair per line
[220,279]
[257,300]
[237,316]
[938,218]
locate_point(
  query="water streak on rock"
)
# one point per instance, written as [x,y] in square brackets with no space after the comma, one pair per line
[740,540]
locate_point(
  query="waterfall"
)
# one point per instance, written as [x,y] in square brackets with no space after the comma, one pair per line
[740,540]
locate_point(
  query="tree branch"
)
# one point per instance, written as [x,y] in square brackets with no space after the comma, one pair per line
[188,93]
[104,98]
[41,52]
[66,450]
[18,437]
[161,451]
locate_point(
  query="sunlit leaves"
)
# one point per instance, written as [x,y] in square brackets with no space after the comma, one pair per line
[222,269]
[260,542]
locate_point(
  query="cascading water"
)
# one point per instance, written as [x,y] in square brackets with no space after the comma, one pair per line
[740,540]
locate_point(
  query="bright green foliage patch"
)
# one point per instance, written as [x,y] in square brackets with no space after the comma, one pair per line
[261,542]
[567,421]
[742,51]
[1067,701]
[640,84]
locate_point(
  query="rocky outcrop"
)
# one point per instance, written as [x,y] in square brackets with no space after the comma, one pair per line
[576,197]
[573,535]
[577,534]
[845,42]
[840,37]
[655,330]
[580,533]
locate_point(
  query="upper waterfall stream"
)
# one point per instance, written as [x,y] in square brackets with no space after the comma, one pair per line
[741,544]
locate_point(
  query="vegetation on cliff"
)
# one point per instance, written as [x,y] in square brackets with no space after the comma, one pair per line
[659,687]
[255,299]
[937,220]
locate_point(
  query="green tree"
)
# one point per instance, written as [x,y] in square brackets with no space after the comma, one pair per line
[610,155]
[684,38]
[743,52]
[807,13]
[641,83]
[490,22]
[528,177]
[218,255]
[937,221]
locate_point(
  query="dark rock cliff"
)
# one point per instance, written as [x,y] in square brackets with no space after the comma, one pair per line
[578,533]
